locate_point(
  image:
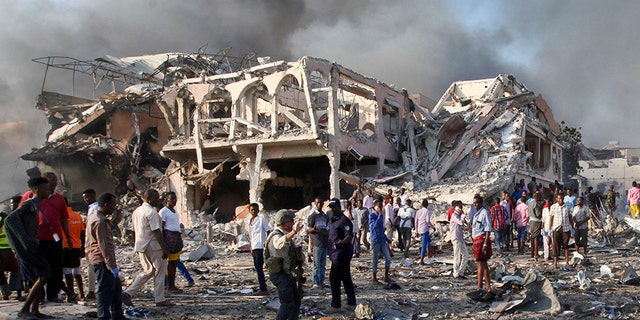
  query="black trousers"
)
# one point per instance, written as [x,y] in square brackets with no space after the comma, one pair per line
[340,273]
[258,263]
[109,296]
[52,252]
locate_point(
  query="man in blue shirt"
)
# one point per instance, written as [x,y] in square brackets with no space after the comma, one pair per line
[379,241]
[340,253]
[481,230]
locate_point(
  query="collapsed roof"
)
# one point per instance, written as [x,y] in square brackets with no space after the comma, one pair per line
[298,128]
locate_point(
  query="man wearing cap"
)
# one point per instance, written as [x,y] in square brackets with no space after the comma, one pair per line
[340,253]
[282,261]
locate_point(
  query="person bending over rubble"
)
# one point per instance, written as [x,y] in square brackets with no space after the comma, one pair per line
[22,227]
[481,233]
[284,260]
[151,249]
[101,255]
[379,240]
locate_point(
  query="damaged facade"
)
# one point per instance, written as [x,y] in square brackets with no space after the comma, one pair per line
[222,132]
[612,165]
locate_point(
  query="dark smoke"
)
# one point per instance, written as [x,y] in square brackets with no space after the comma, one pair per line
[580,55]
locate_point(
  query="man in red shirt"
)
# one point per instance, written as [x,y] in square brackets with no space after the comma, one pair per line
[53,221]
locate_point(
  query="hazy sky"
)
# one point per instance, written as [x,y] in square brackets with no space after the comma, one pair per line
[580,55]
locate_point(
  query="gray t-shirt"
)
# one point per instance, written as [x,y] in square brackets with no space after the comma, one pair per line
[321,220]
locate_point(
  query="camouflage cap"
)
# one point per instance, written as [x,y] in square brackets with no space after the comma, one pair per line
[284,215]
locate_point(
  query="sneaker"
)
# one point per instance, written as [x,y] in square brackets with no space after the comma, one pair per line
[91,296]
[126,299]
[262,293]
[191,284]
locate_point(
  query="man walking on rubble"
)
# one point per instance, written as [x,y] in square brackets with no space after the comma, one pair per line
[53,222]
[379,241]
[340,252]
[581,224]
[22,229]
[259,227]
[102,258]
[89,197]
[151,249]
[633,199]
[561,221]
[282,257]
[389,220]
[318,230]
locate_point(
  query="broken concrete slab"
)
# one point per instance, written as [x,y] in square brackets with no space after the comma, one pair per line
[204,251]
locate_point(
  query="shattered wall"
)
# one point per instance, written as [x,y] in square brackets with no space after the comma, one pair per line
[280,133]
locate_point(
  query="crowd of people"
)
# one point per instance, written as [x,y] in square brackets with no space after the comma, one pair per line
[42,241]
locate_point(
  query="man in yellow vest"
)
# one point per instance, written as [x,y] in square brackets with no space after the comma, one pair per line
[8,261]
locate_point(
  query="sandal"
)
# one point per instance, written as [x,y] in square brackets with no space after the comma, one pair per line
[165,303]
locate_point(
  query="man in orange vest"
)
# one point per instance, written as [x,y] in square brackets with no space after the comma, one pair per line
[72,254]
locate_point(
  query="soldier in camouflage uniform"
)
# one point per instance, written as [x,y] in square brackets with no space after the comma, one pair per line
[284,259]
[611,200]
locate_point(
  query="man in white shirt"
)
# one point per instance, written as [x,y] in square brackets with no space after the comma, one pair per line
[406,214]
[257,235]
[151,250]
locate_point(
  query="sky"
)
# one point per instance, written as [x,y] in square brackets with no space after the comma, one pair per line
[580,55]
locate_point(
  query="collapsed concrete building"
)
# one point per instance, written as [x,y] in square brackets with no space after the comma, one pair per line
[612,165]
[222,132]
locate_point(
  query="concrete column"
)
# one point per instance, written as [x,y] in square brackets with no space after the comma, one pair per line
[334,177]
[256,183]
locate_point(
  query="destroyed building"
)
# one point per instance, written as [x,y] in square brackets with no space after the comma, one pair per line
[222,132]
[612,165]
